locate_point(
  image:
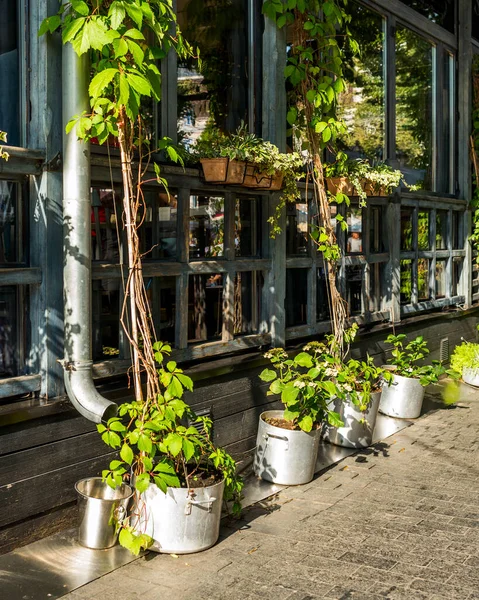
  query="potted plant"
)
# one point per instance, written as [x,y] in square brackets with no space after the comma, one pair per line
[179,475]
[288,440]
[222,157]
[403,395]
[359,384]
[465,362]
[359,178]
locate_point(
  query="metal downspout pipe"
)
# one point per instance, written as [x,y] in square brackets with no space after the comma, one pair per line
[78,362]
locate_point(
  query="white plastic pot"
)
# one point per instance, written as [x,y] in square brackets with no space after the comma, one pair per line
[470,376]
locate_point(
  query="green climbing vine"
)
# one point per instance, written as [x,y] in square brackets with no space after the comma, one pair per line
[318,36]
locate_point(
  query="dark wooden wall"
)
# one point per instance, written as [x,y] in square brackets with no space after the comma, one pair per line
[41,458]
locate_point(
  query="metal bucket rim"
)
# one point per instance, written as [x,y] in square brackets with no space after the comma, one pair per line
[290,431]
[186,489]
[90,498]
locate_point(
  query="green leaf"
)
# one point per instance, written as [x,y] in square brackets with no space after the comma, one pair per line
[171,365]
[121,47]
[142,482]
[188,449]
[117,426]
[174,443]
[186,381]
[134,34]
[124,96]
[144,443]
[101,81]
[137,52]
[117,14]
[139,83]
[306,423]
[49,24]
[80,7]
[267,375]
[126,454]
[289,394]
[175,388]
[135,14]
[303,359]
[276,387]
[111,439]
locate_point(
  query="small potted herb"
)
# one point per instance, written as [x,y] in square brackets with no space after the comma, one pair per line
[403,395]
[288,440]
[465,362]
[359,178]
[180,477]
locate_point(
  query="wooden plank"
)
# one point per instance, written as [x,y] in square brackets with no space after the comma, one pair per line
[51,490]
[18,466]
[16,386]
[21,276]
[431,304]
[215,348]
[36,528]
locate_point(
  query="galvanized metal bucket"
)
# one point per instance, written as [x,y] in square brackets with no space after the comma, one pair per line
[284,456]
[470,376]
[183,520]
[358,426]
[100,508]
[403,398]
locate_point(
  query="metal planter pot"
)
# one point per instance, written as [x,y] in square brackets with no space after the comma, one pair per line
[470,376]
[181,521]
[284,456]
[358,426]
[403,398]
[100,508]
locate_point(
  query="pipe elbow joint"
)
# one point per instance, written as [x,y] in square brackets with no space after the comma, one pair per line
[83,394]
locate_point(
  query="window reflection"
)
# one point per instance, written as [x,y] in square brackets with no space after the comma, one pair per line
[414,105]
[406,229]
[206,226]
[362,104]
[205,307]
[216,94]
[423,279]
[441,230]
[9,72]
[159,226]
[10,345]
[354,287]
[322,301]
[246,227]
[377,225]
[423,230]
[106,319]
[105,210]
[457,230]
[440,278]
[441,12]
[12,247]
[247,287]
[296,229]
[296,302]
[457,265]
[406,281]
[355,231]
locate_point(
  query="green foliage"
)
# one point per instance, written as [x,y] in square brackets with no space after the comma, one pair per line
[157,447]
[3,138]
[466,355]
[265,156]
[367,179]
[309,383]
[405,356]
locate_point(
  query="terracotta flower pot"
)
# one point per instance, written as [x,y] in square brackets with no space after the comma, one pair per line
[257,179]
[223,170]
[343,185]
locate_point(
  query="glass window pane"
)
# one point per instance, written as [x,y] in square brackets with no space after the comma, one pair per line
[12,235]
[377,285]
[457,230]
[475,19]
[414,105]
[296,302]
[406,282]
[9,73]
[247,302]
[206,226]
[362,103]
[441,230]
[162,294]
[322,298]
[377,233]
[423,279]
[216,94]
[354,286]
[457,265]
[406,229]
[442,12]
[205,307]
[355,231]
[446,158]
[440,278]
[104,215]
[159,228]
[12,339]
[246,227]
[296,229]
[423,230]
[106,318]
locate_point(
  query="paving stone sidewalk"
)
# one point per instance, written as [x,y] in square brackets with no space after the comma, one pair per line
[399,520]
